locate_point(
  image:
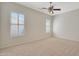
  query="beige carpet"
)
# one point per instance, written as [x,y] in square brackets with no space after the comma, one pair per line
[46,47]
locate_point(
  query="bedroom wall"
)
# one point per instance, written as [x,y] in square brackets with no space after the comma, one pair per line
[0,24]
[66,25]
[34,25]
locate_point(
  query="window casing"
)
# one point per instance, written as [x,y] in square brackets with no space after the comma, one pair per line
[17,24]
[48,24]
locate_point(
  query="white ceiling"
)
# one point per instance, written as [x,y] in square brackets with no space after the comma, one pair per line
[65,6]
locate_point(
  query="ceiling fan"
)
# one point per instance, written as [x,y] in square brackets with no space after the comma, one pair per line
[51,8]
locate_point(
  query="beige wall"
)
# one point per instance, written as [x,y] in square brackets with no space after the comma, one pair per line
[66,25]
[0,24]
[34,25]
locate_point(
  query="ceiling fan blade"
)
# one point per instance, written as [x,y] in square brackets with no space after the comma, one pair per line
[44,8]
[57,9]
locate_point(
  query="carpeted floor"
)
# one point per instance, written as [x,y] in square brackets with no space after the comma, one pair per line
[46,47]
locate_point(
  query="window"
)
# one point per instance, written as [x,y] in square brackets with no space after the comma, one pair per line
[48,25]
[17,24]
